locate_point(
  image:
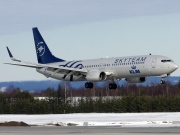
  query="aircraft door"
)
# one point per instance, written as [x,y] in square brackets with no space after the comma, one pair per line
[102,66]
[153,63]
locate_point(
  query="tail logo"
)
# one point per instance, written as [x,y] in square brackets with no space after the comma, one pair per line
[40,48]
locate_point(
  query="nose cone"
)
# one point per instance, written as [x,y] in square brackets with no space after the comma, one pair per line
[174,67]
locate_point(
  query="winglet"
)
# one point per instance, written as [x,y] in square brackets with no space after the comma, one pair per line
[11,56]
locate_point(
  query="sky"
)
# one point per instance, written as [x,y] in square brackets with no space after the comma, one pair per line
[78,29]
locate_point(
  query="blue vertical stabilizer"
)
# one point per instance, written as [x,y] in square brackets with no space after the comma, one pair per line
[44,55]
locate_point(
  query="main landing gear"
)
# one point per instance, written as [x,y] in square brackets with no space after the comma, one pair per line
[112,86]
[90,85]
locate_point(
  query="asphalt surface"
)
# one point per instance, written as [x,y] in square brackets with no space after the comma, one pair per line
[88,130]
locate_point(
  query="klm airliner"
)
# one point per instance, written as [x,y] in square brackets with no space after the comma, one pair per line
[134,69]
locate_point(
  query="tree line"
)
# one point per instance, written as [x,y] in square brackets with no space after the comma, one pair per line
[127,98]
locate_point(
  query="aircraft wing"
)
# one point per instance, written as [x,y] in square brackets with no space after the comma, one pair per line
[54,68]
[48,66]
[24,65]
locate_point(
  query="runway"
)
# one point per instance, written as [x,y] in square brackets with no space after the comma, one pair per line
[88,130]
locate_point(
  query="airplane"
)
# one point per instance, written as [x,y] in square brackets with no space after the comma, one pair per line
[134,69]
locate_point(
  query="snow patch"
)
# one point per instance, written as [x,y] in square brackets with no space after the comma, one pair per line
[99,119]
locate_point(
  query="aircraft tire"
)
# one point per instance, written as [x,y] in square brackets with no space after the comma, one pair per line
[163,82]
[112,86]
[88,85]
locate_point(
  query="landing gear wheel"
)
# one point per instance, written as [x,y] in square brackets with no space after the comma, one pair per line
[112,86]
[162,82]
[89,85]
[86,85]
[115,86]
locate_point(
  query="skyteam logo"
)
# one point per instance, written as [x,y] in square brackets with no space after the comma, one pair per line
[40,48]
[134,70]
[73,64]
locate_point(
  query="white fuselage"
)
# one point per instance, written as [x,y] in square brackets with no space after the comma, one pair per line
[115,68]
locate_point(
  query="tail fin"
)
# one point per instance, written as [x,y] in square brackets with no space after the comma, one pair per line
[44,55]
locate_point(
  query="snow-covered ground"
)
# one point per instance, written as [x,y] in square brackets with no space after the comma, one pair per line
[99,119]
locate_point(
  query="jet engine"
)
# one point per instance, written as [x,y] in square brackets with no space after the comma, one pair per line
[96,76]
[136,79]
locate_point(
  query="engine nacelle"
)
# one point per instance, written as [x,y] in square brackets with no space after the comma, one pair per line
[96,76]
[136,79]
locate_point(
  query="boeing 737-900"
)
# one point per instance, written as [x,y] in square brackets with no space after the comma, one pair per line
[134,69]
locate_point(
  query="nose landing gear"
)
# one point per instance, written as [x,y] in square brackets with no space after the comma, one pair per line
[162,81]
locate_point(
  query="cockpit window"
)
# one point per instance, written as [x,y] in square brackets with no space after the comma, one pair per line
[166,61]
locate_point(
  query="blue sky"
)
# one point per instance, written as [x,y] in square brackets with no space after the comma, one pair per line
[78,29]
